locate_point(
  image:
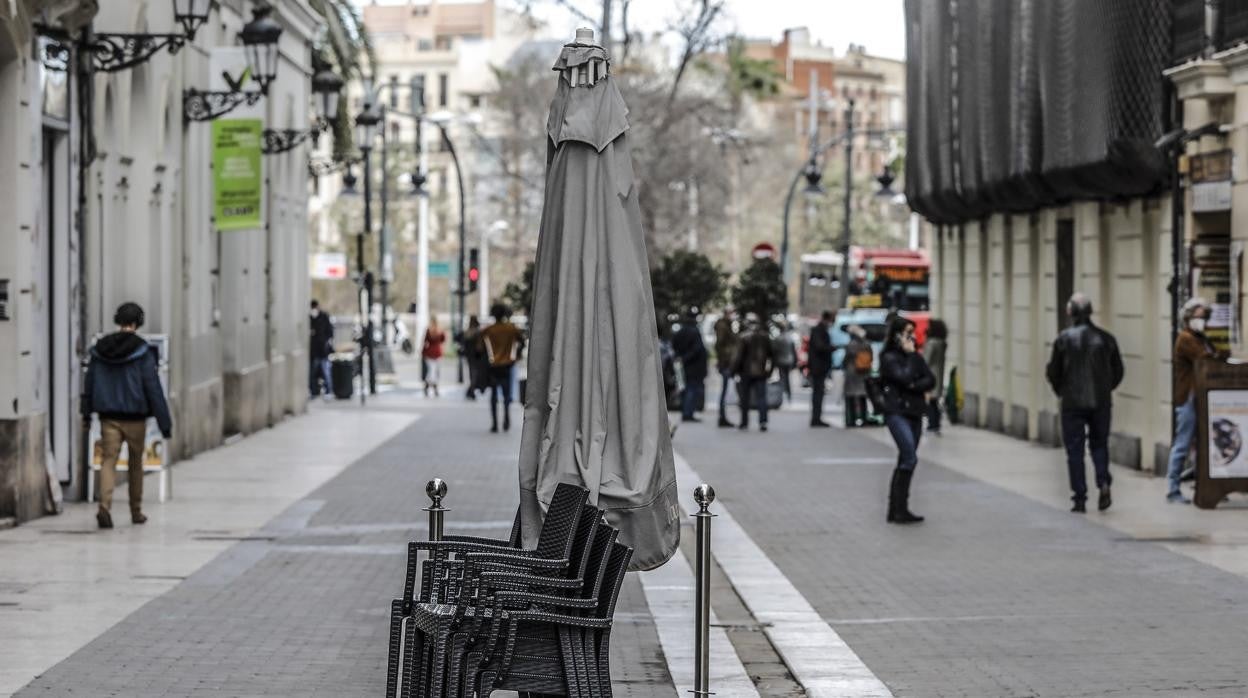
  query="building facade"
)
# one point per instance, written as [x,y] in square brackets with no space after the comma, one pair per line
[1031,155]
[110,190]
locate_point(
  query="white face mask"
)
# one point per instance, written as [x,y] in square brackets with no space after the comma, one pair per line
[316,311]
[1196,324]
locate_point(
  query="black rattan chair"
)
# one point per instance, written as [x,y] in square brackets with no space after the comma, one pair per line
[435,628]
[585,604]
[438,573]
[560,654]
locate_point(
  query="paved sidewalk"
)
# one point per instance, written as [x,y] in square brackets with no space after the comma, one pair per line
[64,582]
[997,594]
[301,607]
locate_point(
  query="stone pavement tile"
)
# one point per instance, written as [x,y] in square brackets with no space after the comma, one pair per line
[996,595]
[303,609]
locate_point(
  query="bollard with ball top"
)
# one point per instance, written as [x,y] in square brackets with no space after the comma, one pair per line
[704,495]
[436,489]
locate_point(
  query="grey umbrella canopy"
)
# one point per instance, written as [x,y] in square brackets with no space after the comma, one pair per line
[595,413]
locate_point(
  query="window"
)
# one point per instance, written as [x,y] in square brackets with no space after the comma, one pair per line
[474,101]
[424,45]
[444,88]
[443,43]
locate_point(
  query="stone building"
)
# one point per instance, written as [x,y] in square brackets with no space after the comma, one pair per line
[1032,153]
[107,194]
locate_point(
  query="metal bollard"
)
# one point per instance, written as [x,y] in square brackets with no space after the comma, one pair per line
[704,495]
[436,489]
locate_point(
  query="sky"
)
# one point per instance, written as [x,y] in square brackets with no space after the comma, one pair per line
[877,24]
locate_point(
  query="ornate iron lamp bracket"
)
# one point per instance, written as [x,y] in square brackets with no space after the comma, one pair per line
[281,140]
[111,53]
[198,105]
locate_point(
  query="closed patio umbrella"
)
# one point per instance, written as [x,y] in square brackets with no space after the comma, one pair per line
[595,413]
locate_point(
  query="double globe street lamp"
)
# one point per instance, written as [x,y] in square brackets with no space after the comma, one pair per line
[813,174]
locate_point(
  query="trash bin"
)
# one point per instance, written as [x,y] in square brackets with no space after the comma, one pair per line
[342,371]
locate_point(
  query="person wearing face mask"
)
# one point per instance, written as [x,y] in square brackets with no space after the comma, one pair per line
[1190,347]
[320,347]
[904,382]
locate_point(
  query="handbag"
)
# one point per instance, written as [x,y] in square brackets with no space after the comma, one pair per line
[774,395]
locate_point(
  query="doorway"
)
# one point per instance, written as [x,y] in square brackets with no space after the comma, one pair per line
[1065,269]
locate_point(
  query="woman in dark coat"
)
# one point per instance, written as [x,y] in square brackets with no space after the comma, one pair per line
[905,381]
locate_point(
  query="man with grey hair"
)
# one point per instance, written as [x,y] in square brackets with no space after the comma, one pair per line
[1084,371]
[1191,347]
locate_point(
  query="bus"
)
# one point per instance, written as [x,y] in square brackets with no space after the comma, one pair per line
[880,278]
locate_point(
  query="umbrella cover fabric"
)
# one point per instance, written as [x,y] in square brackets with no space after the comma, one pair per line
[595,413]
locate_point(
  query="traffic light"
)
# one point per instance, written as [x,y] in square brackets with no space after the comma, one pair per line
[474,268]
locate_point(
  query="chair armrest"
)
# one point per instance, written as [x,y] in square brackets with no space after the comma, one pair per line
[524,561]
[527,597]
[479,540]
[560,619]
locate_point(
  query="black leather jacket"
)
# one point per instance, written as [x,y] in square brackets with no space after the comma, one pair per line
[904,382]
[1086,367]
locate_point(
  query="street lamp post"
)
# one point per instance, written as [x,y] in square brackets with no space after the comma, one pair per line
[366,130]
[846,230]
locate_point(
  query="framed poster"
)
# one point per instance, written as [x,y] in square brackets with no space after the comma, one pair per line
[1222,429]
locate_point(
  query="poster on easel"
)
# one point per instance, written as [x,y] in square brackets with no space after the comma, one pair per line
[1222,424]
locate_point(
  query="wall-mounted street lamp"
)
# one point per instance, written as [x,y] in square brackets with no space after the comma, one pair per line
[259,37]
[326,90]
[112,52]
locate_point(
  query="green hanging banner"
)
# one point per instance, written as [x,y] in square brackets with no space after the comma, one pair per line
[236,173]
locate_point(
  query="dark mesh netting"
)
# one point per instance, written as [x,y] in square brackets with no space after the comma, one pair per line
[1047,101]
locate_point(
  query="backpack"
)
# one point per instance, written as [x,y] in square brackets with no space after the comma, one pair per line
[864,360]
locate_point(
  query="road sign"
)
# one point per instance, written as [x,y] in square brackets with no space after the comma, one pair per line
[439,270]
[764,250]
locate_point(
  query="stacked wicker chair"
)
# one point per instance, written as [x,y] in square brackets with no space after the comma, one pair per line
[491,615]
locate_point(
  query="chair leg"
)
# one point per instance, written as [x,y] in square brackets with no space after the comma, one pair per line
[455,661]
[604,664]
[394,659]
[411,685]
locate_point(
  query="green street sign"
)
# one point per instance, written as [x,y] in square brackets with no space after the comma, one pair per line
[439,270]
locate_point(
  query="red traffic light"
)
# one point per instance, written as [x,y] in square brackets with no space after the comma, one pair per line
[474,275]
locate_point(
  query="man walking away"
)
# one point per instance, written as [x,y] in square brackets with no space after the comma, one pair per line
[856,364]
[502,342]
[727,344]
[320,346]
[122,386]
[934,354]
[1190,348]
[755,361]
[1084,371]
[820,362]
[688,345]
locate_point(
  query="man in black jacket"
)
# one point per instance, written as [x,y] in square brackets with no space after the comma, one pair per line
[1084,371]
[691,350]
[755,361]
[820,363]
[320,346]
[123,387]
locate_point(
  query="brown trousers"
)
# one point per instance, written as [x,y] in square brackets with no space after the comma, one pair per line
[112,434]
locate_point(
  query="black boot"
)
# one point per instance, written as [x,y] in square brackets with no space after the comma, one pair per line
[493,418]
[850,413]
[506,419]
[899,499]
